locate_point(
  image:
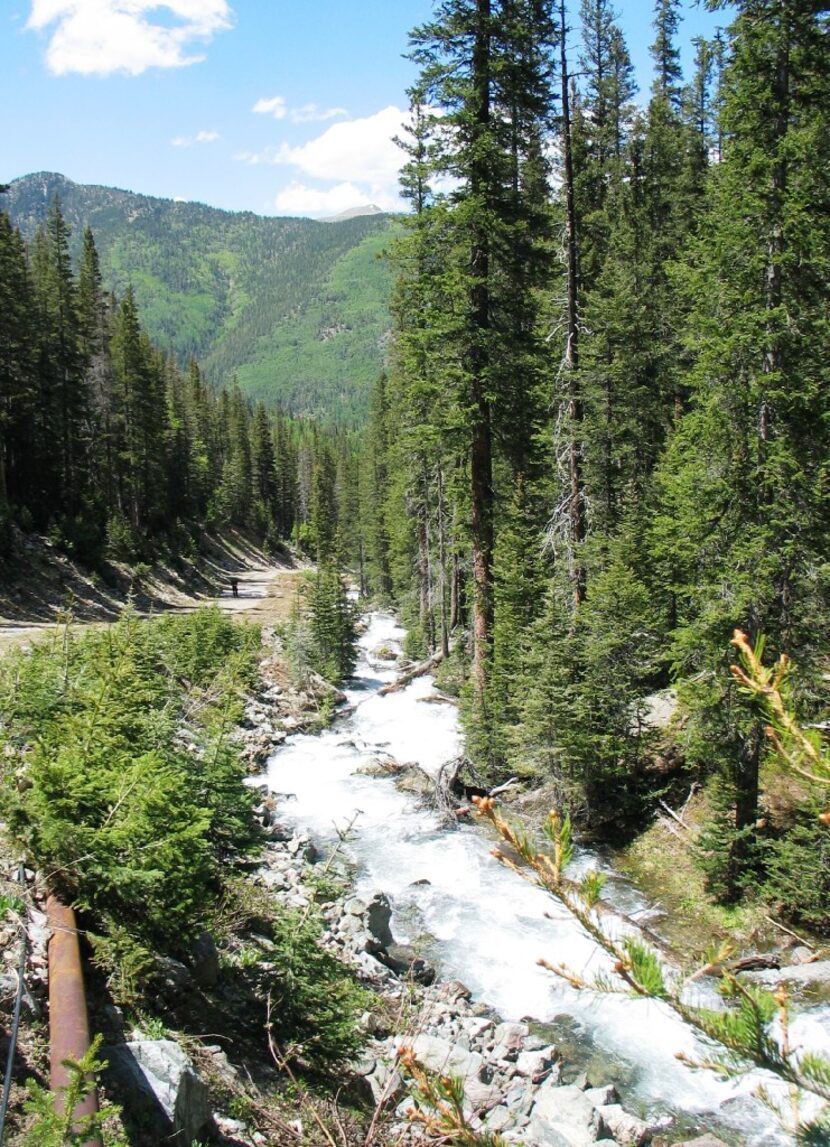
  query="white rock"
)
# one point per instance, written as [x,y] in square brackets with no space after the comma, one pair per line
[534,1064]
[602,1096]
[512,1035]
[440,1055]
[628,1130]
[566,1112]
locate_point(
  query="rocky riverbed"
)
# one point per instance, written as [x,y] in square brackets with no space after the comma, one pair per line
[512,1077]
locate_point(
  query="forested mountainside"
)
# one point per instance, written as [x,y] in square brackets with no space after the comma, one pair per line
[296,310]
[114,448]
[603,442]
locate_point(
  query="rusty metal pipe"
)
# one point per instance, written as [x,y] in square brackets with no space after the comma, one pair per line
[68,1022]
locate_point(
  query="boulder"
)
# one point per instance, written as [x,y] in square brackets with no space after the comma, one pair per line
[510,1039]
[602,1096]
[205,961]
[534,1064]
[406,963]
[174,978]
[378,915]
[412,779]
[565,1112]
[452,991]
[437,1054]
[163,1089]
[499,1119]
[628,1130]
[801,975]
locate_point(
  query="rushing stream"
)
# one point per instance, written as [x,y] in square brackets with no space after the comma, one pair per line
[484,925]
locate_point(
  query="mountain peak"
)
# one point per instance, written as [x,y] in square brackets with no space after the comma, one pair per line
[353,213]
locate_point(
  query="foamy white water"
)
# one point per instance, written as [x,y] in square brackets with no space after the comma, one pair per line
[487,925]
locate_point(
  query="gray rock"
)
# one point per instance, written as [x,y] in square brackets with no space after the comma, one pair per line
[406,963]
[453,990]
[271,878]
[801,955]
[566,1112]
[8,986]
[351,926]
[354,906]
[175,977]
[476,1026]
[222,1065]
[411,778]
[703,1141]
[499,1119]
[161,1068]
[817,972]
[534,1064]
[520,1098]
[512,1036]
[602,1096]
[205,961]
[481,1096]
[441,1055]
[378,915]
[385,1083]
[628,1130]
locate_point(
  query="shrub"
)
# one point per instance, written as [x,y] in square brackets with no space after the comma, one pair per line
[133,799]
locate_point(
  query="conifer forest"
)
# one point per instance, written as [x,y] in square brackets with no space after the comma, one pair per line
[598,447]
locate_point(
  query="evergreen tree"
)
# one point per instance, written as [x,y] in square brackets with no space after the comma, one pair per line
[18,384]
[64,431]
[487,66]
[742,532]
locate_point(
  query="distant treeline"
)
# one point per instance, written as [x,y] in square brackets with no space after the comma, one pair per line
[110,444]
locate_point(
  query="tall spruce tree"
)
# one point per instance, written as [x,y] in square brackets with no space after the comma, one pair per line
[742,536]
[487,66]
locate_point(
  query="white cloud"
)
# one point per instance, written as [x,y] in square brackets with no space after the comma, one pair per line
[359,151]
[311,113]
[277,107]
[199,137]
[300,199]
[98,37]
[273,105]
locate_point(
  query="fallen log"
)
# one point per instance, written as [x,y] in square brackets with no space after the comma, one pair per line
[754,963]
[410,675]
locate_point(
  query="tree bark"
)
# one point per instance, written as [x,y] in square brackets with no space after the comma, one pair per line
[570,364]
[481,452]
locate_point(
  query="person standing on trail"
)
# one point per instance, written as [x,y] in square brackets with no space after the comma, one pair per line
[235,586]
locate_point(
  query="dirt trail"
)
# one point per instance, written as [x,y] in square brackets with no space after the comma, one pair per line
[266,592]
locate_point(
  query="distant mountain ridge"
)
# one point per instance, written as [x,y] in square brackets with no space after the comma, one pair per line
[296,310]
[353,213]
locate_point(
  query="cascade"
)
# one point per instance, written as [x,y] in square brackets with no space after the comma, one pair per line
[483,924]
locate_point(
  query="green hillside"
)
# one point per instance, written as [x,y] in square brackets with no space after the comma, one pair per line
[297,310]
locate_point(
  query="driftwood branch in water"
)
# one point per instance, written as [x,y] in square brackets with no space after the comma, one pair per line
[450,789]
[410,675]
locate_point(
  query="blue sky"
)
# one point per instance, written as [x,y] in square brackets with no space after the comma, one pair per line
[274,106]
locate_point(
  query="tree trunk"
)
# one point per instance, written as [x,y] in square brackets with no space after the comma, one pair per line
[481,459]
[576,501]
